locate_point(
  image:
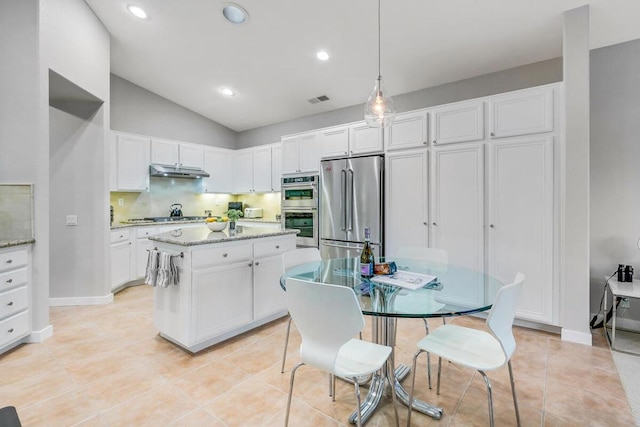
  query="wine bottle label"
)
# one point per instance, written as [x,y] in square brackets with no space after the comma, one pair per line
[366,270]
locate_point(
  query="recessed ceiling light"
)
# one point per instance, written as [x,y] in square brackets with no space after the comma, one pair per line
[322,55]
[235,13]
[137,11]
[226,91]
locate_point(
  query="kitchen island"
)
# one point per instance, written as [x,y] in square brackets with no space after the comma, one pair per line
[228,283]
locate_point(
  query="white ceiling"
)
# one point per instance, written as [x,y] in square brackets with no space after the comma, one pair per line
[186,50]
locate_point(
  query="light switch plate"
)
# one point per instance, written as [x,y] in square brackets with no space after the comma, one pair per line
[72,219]
[120,202]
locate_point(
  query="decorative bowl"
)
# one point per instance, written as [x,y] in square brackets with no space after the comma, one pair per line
[217,226]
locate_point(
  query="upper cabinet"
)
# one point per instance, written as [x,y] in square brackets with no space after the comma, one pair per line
[355,139]
[218,162]
[460,122]
[131,165]
[252,170]
[409,130]
[522,113]
[301,153]
[262,169]
[177,154]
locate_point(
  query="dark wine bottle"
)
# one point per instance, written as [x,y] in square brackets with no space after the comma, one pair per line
[366,256]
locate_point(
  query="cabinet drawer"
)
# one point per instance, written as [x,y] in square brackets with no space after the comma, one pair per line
[143,232]
[13,301]
[119,236]
[10,260]
[14,327]
[14,278]
[273,247]
[221,256]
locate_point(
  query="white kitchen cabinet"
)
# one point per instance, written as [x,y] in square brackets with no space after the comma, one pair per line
[276,167]
[177,154]
[364,139]
[334,142]
[15,288]
[243,171]
[122,258]
[269,298]
[520,233]
[301,153]
[460,122]
[143,246]
[252,170]
[409,130]
[132,160]
[219,163]
[523,112]
[262,169]
[406,200]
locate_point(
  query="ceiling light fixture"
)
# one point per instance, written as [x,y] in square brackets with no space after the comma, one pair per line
[235,13]
[137,12]
[226,91]
[379,110]
[322,55]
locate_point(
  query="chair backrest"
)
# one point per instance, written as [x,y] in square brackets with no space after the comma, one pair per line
[300,256]
[503,311]
[428,254]
[327,317]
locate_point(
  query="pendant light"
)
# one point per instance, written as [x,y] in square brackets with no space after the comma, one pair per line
[379,110]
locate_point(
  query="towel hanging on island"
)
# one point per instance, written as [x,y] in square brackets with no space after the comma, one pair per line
[162,270]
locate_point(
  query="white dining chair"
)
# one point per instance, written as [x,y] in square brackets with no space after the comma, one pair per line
[292,259]
[476,349]
[328,316]
[434,255]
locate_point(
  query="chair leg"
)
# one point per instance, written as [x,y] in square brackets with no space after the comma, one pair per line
[293,374]
[426,328]
[513,391]
[413,384]
[357,387]
[286,344]
[439,371]
[332,379]
[488,383]
[391,377]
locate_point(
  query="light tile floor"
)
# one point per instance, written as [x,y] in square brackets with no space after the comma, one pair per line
[107,366]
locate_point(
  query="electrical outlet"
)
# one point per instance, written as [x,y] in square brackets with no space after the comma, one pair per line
[72,219]
[120,202]
[624,303]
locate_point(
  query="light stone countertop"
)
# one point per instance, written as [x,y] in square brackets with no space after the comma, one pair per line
[127,224]
[16,242]
[202,235]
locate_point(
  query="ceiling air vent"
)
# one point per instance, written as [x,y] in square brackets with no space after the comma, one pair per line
[317,99]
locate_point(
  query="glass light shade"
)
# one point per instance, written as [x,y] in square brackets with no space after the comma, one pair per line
[379,110]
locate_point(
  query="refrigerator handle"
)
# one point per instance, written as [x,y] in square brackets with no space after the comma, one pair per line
[350,199]
[343,202]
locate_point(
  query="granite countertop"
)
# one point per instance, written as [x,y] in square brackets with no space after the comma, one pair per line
[202,235]
[127,224]
[16,242]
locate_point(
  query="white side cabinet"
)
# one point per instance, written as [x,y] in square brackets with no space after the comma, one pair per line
[122,258]
[409,130]
[269,298]
[219,164]
[460,122]
[262,169]
[131,163]
[301,153]
[15,290]
[351,140]
[143,246]
[522,112]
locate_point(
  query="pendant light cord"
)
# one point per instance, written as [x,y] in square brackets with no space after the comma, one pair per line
[379,72]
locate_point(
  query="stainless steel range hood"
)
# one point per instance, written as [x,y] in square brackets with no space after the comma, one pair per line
[173,172]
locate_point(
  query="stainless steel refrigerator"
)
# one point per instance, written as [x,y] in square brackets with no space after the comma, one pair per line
[352,198]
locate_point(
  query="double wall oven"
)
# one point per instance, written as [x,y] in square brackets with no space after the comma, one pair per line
[299,208]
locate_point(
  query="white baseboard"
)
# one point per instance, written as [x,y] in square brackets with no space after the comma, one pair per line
[58,302]
[39,336]
[576,336]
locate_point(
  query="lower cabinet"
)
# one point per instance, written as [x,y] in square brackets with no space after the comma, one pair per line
[121,257]
[268,296]
[15,314]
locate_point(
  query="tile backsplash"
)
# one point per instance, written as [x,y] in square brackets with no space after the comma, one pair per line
[164,192]
[16,211]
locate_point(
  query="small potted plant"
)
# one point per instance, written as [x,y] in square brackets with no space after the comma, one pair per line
[233,215]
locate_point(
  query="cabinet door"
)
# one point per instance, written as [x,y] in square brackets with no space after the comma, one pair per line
[262,169]
[334,142]
[276,167]
[406,199]
[165,153]
[120,263]
[521,220]
[460,122]
[457,204]
[522,113]
[191,156]
[268,297]
[309,153]
[243,171]
[143,246]
[221,299]
[364,139]
[289,155]
[133,163]
[219,165]
[408,130]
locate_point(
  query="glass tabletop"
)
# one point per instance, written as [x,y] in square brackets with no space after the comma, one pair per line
[455,291]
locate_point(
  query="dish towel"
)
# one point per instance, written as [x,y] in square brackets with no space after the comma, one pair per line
[151,273]
[167,270]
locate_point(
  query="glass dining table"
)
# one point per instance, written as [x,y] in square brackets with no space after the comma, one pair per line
[455,291]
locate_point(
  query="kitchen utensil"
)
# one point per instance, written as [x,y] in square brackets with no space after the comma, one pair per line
[175,210]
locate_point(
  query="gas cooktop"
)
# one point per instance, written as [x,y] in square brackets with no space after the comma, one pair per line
[167,219]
